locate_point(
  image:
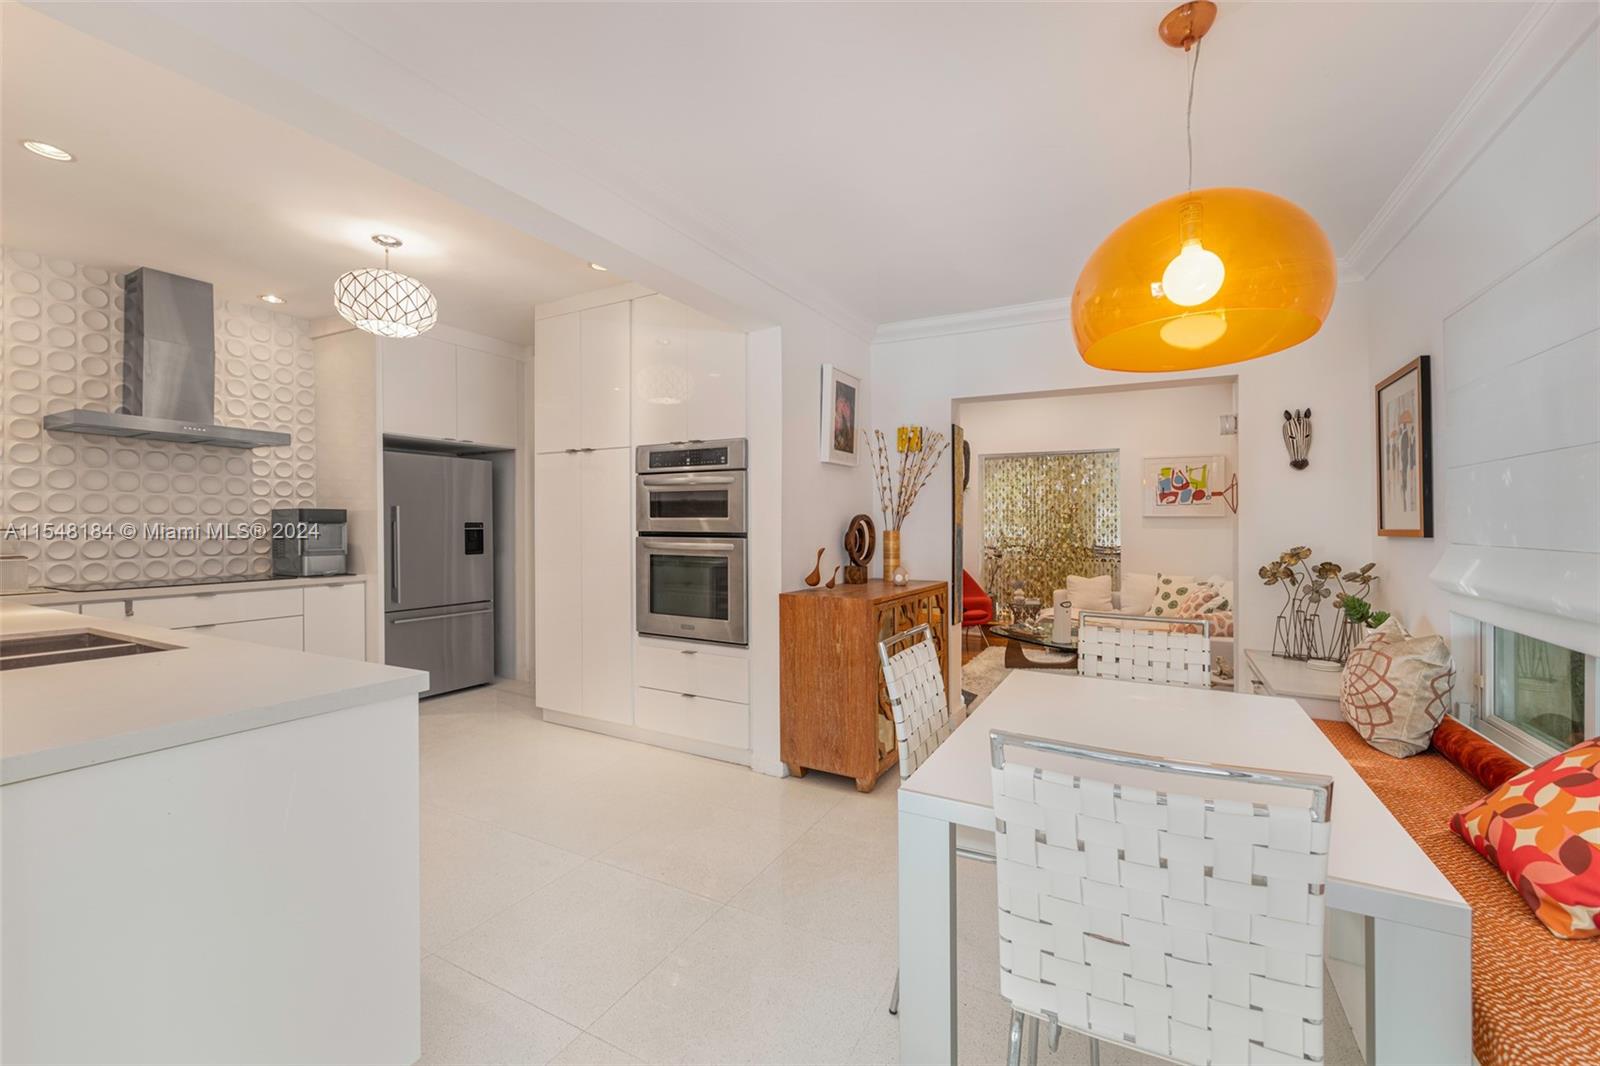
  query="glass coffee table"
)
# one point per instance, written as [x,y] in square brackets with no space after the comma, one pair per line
[1039,635]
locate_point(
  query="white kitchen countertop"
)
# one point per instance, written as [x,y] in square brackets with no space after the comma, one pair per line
[71,715]
[43,597]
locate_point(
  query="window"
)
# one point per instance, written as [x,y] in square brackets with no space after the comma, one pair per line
[1537,698]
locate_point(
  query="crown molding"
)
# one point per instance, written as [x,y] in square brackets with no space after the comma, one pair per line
[1029,314]
[1547,34]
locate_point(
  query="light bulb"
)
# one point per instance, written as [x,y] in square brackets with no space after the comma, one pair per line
[1194,331]
[1194,275]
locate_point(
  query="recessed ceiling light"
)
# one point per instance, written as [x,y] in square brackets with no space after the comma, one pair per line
[597,266]
[272,298]
[49,151]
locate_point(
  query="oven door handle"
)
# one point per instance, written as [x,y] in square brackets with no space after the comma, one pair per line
[697,547]
[672,480]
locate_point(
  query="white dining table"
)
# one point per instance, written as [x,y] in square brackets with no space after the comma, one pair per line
[1402,963]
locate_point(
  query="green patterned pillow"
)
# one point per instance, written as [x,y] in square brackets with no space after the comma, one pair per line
[1170,591]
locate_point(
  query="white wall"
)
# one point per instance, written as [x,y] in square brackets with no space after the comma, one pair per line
[1534,184]
[1139,423]
[922,370]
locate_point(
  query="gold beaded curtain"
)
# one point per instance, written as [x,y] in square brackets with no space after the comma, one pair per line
[1047,516]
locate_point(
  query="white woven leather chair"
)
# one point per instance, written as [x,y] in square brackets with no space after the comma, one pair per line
[1145,648]
[921,715]
[916,695]
[1180,914]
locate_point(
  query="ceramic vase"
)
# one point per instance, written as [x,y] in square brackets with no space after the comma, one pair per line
[891,553]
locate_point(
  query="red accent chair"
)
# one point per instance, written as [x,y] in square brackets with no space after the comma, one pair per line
[977,609]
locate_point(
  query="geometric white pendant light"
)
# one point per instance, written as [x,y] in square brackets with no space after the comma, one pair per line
[384,302]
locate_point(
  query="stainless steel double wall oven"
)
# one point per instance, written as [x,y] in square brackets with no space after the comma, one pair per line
[691,544]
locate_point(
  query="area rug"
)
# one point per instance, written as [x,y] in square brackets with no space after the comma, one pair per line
[980,676]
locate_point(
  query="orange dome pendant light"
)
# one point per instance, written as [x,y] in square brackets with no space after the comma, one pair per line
[1208,277]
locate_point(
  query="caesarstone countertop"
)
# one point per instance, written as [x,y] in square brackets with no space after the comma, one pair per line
[45,597]
[72,715]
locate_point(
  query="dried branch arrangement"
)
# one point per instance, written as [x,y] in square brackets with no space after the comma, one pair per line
[899,480]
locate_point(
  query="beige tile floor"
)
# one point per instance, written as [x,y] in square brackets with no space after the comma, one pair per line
[591,900]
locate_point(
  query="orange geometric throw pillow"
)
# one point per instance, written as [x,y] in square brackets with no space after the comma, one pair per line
[1542,829]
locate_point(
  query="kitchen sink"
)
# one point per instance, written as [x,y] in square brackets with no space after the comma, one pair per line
[50,649]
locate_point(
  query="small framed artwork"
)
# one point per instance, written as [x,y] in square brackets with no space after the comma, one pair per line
[1185,486]
[1405,451]
[840,393]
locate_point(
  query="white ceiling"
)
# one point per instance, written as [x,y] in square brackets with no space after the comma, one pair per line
[174,176]
[895,160]
[920,159]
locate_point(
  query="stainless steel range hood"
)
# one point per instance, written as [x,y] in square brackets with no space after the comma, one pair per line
[169,367]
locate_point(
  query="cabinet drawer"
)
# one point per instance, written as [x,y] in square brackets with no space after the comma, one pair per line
[273,632]
[699,671]
[695,717]
[204,609]
[336,620]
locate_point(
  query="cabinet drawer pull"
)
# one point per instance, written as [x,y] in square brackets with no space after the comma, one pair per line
[690,651]
[687,695]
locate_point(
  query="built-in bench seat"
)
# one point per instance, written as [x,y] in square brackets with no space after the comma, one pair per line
[1535,997]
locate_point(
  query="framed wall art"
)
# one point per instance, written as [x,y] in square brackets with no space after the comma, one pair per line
[1405,451]
[1184,486]
[841,392]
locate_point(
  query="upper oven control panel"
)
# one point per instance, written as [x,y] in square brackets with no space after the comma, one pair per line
[691,455]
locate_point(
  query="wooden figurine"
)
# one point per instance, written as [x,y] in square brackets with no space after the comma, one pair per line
[860,541]
[815,577]
[833,580]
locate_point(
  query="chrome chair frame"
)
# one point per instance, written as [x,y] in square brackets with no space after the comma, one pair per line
[1203,623]
[1023,1045]
[926,632]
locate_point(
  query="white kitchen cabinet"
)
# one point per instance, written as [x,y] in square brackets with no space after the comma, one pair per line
[435,390]
[607,583]
[204,608]
[556,383]
[558,603]
[698,669]
[583,583]
[326,619]
[336,620]
[603,363]
[274,632]
[419,387]
[688,374]
[488,398]
[580,379]
[683,714]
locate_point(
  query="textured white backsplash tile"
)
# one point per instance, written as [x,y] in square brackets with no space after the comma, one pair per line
[62,349]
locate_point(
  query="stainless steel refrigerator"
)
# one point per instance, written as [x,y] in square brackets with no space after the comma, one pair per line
[439,594]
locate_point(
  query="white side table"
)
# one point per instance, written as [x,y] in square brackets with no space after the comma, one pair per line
[1315,690]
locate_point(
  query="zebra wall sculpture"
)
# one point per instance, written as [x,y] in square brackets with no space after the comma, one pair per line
[1297,437]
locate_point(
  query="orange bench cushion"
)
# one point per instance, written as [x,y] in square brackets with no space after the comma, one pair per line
[1535,999]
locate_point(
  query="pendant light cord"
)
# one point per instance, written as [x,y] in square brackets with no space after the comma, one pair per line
[1188,114]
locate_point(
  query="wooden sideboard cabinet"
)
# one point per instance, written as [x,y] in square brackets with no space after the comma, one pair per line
[835,711]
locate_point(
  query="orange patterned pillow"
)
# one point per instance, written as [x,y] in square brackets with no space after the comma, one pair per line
[1542,829]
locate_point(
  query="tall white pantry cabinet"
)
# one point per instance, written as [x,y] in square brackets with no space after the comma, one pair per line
[583,515]
[605,379]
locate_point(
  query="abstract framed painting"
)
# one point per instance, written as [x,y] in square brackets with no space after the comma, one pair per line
[1405,451]
[841,392]
[1185,486]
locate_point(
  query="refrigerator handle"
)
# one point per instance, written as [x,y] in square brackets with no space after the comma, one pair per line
[394,553]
